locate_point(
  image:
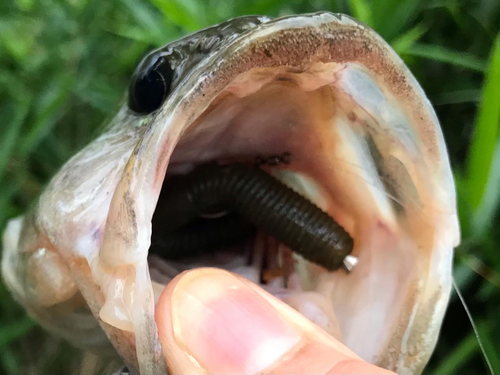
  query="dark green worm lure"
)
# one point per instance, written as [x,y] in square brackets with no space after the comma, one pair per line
[196,237]
[256,197]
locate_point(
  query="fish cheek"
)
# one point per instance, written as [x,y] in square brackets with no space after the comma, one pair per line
[48,279]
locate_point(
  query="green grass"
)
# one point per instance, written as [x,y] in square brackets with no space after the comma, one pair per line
[65,64]
[481,162]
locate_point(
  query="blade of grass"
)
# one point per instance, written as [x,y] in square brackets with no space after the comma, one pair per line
[484,216]
[408,39]
[461,354]
[465,211]
[391,17]
[134,33]
[457,97]
[148,28]
[485,135]
[18,37]
[490,350]
[188,14]
[361,10]
[442,54]
[264,7]
[487,273]
[25,5]
[54,97]
[15,330]
[11,135]
[7,191]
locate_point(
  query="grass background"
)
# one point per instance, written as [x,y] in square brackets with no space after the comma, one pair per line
[65,64]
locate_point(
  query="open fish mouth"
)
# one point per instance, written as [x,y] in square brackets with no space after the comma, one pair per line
[322,104]
[363,146]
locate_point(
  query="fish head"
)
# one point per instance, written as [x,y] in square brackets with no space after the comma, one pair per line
[365,146]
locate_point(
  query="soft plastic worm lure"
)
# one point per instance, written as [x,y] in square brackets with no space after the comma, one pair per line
[256,197]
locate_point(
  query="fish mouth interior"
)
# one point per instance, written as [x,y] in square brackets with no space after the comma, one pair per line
[270,128]
[333,163]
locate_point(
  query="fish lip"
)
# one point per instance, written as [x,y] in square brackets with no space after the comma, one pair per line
[199,82]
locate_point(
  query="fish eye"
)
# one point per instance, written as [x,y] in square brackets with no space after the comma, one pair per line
[150,87]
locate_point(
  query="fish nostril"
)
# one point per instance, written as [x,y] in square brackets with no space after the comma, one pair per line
[254,196]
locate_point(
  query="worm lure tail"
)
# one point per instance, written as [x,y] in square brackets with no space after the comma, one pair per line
[258,198]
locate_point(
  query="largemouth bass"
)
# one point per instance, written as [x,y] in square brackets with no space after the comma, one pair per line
[362,143]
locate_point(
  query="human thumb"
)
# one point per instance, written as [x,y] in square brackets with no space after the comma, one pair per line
[213,321]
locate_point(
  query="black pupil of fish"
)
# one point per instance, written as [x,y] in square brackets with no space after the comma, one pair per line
[150,89]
